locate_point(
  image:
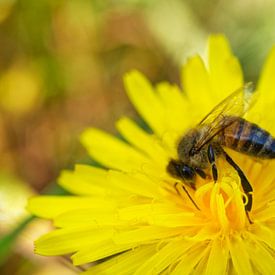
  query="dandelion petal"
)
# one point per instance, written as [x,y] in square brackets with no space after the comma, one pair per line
[52,206]
[225,70]
[99,251]
[218,258]
[239,255]
[126,263]
[111,151]
[64,241]
[145,100]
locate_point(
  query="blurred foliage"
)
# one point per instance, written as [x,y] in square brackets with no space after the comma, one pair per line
[61,68]
[13,195]
[7,242]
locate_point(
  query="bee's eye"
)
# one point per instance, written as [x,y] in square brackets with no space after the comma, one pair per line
[187,172]
[181,170]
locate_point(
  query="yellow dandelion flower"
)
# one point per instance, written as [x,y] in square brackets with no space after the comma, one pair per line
[130,216]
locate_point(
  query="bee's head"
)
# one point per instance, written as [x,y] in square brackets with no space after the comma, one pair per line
[182,171]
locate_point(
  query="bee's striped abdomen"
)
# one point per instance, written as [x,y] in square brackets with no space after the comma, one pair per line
[248,138]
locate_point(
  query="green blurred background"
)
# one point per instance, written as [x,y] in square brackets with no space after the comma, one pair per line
[61,68]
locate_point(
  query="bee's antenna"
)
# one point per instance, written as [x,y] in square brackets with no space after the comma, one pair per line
[185,190]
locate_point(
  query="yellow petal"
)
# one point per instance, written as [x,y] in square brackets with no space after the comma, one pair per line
[239,255]
[145,100]
[189,260]
[266,213]
[145,142]
[196,84]
[175,220]
[96,217]
[218,258]
[261,257]
[88,180]
[77,184]
[203,233]
[159,214]
[266,99]
[144,212]
[126,263]
[64,241]
[99,251]
[267,83]
[145,234]
[176,108]
[111,151]
[135,183]
[163,258]
[265,234]
[51,206]
[224,68]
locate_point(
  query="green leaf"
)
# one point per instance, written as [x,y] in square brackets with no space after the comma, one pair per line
[7,241]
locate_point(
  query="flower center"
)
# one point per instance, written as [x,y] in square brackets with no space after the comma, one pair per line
[219,205]
[222,203]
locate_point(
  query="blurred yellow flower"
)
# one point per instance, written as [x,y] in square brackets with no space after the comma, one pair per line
[133,206]
[5,9]
[19,90]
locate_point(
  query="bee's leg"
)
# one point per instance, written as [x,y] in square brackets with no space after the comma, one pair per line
[201,173]
[247,188]
[211,158]
[176,185]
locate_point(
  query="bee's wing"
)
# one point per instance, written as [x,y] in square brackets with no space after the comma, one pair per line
[225,113]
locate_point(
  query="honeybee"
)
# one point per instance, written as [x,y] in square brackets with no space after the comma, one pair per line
[222,127]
